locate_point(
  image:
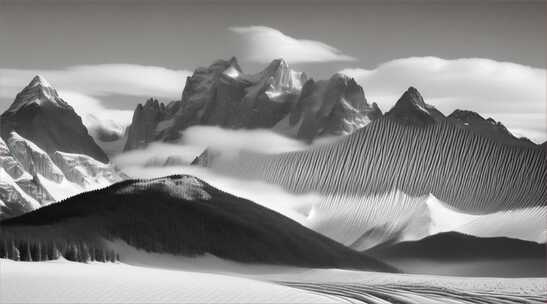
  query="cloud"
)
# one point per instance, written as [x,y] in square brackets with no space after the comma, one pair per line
[232,141]
[263,44]
[158,152]
[95,116]
[226,143]
[509,92]
[102,80]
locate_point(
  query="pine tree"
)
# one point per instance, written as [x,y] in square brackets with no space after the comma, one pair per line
[35,251]
[84,253]
[43,252]
[14,252]
[54,252]
[4,249]
[26,254]
[92,254]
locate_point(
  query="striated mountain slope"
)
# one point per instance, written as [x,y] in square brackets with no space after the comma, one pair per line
[376,180]
[185,216]
[41,116]
[276,97]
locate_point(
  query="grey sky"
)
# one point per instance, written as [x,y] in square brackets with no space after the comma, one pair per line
[181,36]
[54,35]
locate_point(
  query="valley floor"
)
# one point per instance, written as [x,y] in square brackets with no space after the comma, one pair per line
[62,281]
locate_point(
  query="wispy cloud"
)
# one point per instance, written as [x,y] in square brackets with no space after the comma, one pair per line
[263,44]
[509,92]
[102,80]
[95,116]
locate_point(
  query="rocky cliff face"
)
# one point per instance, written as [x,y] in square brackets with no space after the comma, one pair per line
[276,97]
[329,107]
[144,125]
[41,116]
[40,172]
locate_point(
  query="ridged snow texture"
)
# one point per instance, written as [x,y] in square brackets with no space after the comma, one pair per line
[472,173]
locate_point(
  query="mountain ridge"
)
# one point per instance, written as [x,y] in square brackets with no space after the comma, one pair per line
[223,95]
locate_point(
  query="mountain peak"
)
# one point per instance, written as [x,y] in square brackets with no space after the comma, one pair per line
[412,95]
[38,92]
[412,109]
[279,62]
[39,80]
[41,116]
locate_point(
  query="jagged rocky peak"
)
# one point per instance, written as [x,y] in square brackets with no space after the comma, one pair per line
[228,67]
[232,68]
[144,123]
[487,127]
[280,78]
[276,97]
[42,117]
[412,109]
[336,106]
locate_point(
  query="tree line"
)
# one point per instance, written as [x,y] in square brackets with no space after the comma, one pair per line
[44,250]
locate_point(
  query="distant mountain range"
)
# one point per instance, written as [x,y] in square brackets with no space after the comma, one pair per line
[453,253]
[286,101]
[46,153]
[276,98]
[179,215]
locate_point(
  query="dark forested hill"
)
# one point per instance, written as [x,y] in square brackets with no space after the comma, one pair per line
[179,215]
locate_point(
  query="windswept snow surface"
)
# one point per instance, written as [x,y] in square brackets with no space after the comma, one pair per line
[62,281]
[159,278]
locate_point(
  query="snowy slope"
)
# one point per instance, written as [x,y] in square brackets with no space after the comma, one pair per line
[66,282]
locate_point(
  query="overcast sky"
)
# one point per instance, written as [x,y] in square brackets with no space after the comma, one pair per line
[487,57]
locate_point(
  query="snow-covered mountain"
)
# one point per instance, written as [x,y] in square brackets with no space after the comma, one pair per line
[276,98]
[46,153]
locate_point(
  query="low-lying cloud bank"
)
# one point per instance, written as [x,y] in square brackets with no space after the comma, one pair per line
[227,140]
[511,93]
[149,163]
